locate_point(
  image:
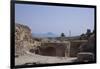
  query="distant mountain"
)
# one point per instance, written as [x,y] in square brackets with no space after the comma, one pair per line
[48,34]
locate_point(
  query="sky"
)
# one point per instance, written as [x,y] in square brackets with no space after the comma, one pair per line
[55,19]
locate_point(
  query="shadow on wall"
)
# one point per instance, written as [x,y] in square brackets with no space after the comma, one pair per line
[51,49]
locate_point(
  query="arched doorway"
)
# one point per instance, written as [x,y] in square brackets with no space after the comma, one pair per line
[49,51]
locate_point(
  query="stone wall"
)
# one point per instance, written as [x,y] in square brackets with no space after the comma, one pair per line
[90,46]
[74,47]
[53,49]
[23,39]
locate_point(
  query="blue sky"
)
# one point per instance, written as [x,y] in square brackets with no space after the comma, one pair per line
[43,19]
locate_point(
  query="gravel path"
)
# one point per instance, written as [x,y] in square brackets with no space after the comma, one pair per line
[38,59]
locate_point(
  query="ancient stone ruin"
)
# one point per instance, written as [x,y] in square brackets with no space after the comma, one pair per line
[25,43]
[54,49]
[23,40]
[87,50]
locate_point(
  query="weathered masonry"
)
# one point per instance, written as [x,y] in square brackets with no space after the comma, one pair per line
[74,47]
[60,49]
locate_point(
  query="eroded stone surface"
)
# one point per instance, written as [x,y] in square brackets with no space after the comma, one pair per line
[23,39]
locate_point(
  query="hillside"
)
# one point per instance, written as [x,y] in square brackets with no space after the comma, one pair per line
[23,39]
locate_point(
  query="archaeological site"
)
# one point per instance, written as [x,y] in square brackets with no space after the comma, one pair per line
[32,50]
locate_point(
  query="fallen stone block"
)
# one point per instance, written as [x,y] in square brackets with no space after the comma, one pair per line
[85,56]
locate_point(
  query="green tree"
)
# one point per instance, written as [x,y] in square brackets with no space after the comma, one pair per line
[88,33]
[82,36]
[62,35]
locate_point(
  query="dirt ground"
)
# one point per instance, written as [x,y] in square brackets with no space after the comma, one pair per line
[39,59]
